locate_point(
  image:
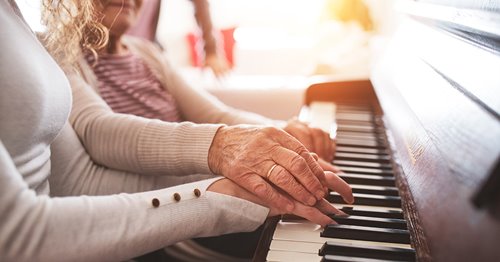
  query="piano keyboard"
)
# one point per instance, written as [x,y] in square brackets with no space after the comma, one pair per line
[375,229]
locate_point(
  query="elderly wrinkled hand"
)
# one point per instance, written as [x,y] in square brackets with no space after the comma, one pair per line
[270,163]
[317,214]
[257,158]
[314,139]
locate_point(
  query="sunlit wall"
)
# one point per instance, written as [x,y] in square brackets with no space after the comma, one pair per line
[284,36]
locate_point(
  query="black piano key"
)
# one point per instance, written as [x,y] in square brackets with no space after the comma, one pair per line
[367,233]
[359,129]
[355,211]
[334,258]
[368,200]
[363,164]
[382,253]
[374,190]
[372,180]
[368,171]
[370,221]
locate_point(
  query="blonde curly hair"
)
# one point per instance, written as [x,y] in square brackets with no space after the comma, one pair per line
[72,28]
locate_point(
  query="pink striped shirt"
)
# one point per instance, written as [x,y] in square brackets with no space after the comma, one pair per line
[128,86]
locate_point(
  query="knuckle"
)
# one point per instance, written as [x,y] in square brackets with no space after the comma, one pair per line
[260,187]
[269,130]
[281,178]
[299,164]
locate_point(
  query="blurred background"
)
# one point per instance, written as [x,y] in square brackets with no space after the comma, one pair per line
[276,47]
[287,37]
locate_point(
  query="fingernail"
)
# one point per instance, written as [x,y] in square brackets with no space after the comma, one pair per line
[349,200]
[289,207]
[331,222]
[341,213]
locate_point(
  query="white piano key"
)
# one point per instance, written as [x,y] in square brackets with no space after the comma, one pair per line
[295,246]
[353,127]
[361,164]
[356,142]
[288,256]
[353,116]
[322,115]
[361,156]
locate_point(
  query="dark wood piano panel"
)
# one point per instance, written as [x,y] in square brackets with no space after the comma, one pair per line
[446,137]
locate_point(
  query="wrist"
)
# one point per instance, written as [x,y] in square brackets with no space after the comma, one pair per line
[215,151]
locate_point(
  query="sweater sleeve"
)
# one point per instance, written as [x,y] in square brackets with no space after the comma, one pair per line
[69,158]
[135,144]
[196,104]
[111,228]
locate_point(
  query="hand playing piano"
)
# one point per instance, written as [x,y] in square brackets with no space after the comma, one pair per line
[317,213]
[314,139]
[273,165]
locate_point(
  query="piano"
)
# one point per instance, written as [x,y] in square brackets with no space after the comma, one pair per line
[419,142]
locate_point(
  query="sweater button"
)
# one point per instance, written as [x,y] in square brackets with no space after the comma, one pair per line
[197,192]
[177,197]
[155,202]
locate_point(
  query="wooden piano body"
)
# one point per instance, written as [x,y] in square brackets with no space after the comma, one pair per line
[437,92]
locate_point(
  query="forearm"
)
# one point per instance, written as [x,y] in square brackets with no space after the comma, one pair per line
[74,173]
[136,144]
[204,20]
[117,227]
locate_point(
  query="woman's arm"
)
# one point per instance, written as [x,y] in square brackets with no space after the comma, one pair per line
[113,228]
[69,157]
[135,144]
